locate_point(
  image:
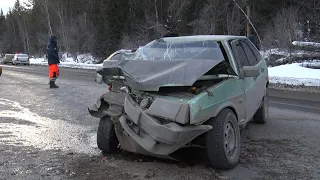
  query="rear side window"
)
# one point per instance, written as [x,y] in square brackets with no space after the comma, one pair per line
[251,57]
[241,56]
[254,50]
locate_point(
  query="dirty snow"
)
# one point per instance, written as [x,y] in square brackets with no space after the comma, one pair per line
[296,74]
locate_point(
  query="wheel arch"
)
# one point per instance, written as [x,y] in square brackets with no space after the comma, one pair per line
[233,110]
[227,106]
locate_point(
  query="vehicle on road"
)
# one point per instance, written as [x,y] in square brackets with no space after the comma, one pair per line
[21,59]
[121,54]
[8,58]
[181,91]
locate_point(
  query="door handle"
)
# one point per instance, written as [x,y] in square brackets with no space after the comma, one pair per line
[262,69]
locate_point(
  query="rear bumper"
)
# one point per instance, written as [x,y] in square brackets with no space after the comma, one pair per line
[21,62]
[146,131]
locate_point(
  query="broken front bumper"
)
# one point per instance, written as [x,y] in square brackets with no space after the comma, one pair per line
[151,133]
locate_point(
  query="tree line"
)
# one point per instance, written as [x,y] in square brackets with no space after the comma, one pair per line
[103,26]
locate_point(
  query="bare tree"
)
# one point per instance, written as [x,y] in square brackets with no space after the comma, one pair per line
[63,29]
[45,9]
[284,29]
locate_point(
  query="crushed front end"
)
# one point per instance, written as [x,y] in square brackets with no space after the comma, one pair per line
[147,124]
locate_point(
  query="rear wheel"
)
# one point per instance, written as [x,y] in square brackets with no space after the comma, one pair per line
[262,113]
[223,140]
[106,136]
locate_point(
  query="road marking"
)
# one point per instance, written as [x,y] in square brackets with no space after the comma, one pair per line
[288,104]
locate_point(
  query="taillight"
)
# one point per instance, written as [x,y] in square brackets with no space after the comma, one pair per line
[110,86]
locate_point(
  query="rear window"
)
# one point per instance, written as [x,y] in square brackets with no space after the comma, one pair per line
[9,55]
[22,55]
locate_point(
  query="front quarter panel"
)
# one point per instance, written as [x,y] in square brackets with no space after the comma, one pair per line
[228,93]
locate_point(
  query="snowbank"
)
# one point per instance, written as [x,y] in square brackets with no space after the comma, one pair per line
[283,52]
[295,74]
[69,64]
[303,44]
[82,58]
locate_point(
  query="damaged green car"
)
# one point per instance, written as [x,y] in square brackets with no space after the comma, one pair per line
[176,92]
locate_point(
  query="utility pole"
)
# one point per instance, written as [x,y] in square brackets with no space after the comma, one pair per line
[249,14]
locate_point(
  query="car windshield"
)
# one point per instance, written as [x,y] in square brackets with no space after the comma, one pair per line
[161,49]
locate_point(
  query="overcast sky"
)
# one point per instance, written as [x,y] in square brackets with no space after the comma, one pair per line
[6,4]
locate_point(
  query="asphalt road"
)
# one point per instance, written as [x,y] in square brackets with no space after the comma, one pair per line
[48,134]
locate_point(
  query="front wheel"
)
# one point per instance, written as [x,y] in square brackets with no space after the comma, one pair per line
[223,140]
[107,140]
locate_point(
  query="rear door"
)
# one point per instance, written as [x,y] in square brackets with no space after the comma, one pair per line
[252,98]
[255,59]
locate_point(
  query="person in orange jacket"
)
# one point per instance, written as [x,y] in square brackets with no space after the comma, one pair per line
[53,61]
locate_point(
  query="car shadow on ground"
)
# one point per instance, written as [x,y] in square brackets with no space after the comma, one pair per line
[184,157]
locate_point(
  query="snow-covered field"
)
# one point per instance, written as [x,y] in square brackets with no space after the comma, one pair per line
[296,74]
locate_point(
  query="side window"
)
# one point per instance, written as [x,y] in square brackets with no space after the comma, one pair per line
[240,55]
[251,57]
[254,50]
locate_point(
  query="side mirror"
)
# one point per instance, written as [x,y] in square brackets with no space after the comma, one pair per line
[251,71]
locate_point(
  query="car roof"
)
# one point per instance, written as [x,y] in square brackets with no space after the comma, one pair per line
[203,38]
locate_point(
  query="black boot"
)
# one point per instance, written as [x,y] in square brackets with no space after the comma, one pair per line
[53,85]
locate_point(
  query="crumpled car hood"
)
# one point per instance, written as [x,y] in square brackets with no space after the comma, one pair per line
[151,75]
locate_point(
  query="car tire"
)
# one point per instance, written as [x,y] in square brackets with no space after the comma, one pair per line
[107,140]
[223,140]
[262,114]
